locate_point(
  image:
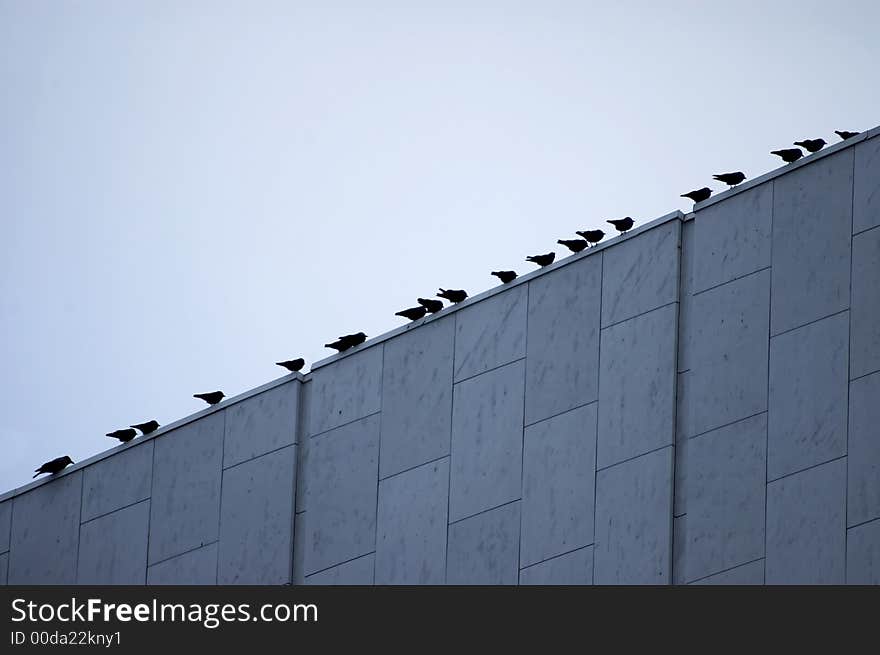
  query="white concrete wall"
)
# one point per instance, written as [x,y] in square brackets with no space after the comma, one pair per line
[694,402]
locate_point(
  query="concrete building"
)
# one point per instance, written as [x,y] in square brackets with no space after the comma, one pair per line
[697,401]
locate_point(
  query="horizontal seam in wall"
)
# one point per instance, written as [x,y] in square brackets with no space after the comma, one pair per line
[342,425]
[757,559]
[465,518]
[798,327]
[736,279]
[333,566]
[864,375]
[113,511]
[788,475]
[185,552]
[413,468]
[553,557]
[860,524]
[727,425]
[629,459]
[647,311]
[489,370]
[867,229]
[251,459]
[565,411]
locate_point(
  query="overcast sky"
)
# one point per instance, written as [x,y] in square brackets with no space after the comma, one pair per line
[191,191]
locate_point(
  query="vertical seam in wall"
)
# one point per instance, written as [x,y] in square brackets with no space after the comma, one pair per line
[522,441]
[79,528]
[449,472]
[297,435]
[852,209]
[675,374]
[378,464]
[598,409]
[150,517]
[220,501]
[769,330]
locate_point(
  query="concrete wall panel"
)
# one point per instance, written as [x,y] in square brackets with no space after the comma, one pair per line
[483,549]
[563,345]
[682,434]
[559,461]
[491,333]
[113,548]
[575,568]
[731,344]
[634,521]
[5,524]
[261,424]
[733,237]
[342,480]
[863,554]
[185,503]
[808,391]
[641,274]
[686,298]
[197,567]
[417,397]
[726,497]
[346,390]
[812,224]
[865,314]
[45,533]
[356,572]
[637,378]
[745,574]
[487,433]
[411,536]
[863,486]
[118,481]
[806,526]
[866,188]
[4,569]
[256,520]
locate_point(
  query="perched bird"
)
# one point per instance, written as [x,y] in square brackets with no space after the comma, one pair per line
[212,397]
[452,295]
[347,341]
[622,224]
[730,179]
[698,195]
[413,313]
[292,365]
[789,154]
[146,428]
[844,135]
[505,276]
[575,245]
[433,306]
[54,466]
[123,435]
[593,236]
[811,145]
[542,260]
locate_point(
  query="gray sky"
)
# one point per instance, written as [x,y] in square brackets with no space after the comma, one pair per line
[191,191]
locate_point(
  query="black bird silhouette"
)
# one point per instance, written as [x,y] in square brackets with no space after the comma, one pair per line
[622,224]
[593,236]
[292,365]
[811,145]
[730,179]
[212,397]
[844,135]
[698,195]
[123,435]
[505,276]
[54,466]
[575,245]
[146,428]
[452,295]
[433,306]
[413,313]
[788,154]
[542,260]
[347,341]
